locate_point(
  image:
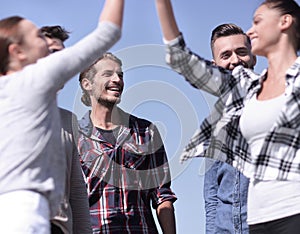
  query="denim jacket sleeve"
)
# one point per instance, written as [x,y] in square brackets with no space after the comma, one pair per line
[210,193]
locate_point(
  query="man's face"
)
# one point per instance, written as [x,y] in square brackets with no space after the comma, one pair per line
[54,44]
[231,51]
[108,84]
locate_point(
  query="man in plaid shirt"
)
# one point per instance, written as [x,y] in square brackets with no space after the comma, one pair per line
[123,158]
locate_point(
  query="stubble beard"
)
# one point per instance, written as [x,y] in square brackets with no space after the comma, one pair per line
[109,103]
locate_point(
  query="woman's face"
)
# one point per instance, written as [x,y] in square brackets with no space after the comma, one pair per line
[34,45]
[265,32]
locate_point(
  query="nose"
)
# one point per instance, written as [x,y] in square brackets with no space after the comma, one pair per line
[249,32]
[116,77]
[235,59]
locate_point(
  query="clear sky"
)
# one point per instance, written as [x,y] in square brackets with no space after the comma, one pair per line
[152,90]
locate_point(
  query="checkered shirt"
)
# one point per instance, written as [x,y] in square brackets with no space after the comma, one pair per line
[124,179]
[219,136]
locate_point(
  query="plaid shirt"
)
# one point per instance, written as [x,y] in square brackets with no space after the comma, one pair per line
[220,137]
[124,179]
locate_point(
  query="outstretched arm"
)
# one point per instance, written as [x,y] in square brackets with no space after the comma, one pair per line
[167,19]
[197,71]
[65,64]
[113,12]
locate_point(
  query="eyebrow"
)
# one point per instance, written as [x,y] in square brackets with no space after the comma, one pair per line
[238,48]
[108,70]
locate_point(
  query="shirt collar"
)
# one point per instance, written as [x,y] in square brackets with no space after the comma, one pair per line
[86,126]
[294,69]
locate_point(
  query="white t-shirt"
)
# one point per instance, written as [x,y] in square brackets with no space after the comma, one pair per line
[267,200]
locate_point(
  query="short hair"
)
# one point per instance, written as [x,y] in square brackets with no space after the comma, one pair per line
[90,73]
[55,31]
[225,30]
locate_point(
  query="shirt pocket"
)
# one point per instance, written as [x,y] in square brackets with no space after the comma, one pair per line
[135,155]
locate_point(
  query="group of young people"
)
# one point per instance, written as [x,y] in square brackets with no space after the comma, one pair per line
[103,173]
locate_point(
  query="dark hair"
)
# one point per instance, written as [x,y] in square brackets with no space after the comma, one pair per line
[55,32]
[289,7]
[8,34]
[90,73]
[225,30]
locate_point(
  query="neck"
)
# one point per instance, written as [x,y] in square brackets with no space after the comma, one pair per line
[12,71]
[280,61]
[104,117]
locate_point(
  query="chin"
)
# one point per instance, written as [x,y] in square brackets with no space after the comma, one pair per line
[257,51]
[110,102]
[118,101]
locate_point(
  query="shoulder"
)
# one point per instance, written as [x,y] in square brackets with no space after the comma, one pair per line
[130,120]
[141,121]
[67,115]
[68,119]
[65,112]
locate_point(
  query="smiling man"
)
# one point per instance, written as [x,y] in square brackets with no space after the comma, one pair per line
[122,157]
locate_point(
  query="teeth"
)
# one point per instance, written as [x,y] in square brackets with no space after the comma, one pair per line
[114,89]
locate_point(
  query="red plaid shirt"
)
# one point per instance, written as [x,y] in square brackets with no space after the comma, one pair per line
[124,179]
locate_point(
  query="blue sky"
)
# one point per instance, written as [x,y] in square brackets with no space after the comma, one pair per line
[152,90]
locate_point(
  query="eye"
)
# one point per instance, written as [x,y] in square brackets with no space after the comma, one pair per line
[225,56]
[256,20]
[242,52]
[120,74]
[107,74]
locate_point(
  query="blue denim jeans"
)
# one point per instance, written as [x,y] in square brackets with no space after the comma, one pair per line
[225,194]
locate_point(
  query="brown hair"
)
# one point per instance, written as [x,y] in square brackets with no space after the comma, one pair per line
[225,30]
[8,34]
[289,7]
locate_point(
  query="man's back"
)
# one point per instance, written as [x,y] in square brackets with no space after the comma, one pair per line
[73,215]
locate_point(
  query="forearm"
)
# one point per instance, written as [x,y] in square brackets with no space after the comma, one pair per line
[167,19]
[56,69]
[166,217]
[196,70]
[59,67]
[113,12]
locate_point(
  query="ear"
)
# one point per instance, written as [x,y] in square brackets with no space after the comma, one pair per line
[86,84]
[16,52]
[286,21]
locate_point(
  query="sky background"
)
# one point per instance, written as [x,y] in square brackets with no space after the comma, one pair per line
[152,90]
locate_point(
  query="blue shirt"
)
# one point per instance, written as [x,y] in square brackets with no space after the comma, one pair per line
[225,195]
